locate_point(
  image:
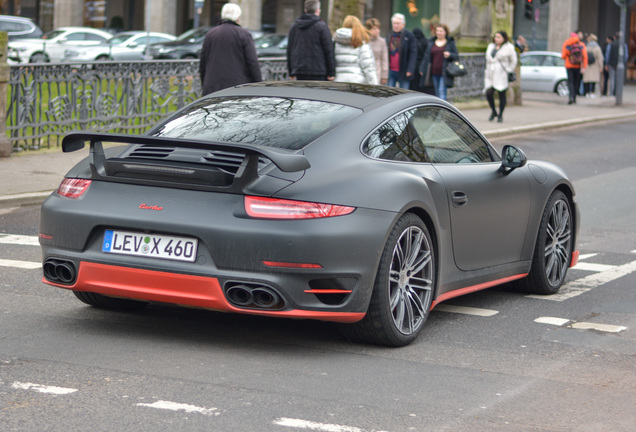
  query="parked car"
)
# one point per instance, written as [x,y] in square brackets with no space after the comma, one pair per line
[544,71]
[123,46]
[271,45]
[19,27]
[364,205]
[185,46]
[51,46]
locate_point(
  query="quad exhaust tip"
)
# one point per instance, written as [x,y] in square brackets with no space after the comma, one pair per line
[59,271]
[253,296]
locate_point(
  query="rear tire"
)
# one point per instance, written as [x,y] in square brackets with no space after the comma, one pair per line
[105,302]
[553,250]
[403,289]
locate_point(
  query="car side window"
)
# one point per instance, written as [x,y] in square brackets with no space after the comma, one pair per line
[93,37]
[74,37]
[531,60]
[396,140]
[447,138]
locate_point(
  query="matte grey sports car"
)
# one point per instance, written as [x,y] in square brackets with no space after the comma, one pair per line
[364,205]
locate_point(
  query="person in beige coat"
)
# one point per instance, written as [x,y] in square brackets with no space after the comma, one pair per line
[592,75]
[380,50]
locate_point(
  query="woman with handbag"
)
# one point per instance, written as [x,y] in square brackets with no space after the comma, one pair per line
[501,60]
[440,51]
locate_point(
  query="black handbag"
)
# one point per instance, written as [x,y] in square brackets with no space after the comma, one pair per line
[456,69]
[512,76]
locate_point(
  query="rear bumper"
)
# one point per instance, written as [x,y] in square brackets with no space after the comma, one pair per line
[180,289]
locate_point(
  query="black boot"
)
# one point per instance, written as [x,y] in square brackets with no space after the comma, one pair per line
[492,116]
[500,118]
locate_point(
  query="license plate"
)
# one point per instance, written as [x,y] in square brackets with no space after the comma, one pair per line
[150,245]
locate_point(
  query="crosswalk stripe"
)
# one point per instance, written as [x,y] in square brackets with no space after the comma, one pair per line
[16,239]
[20,264]
[593,267]
[466,310]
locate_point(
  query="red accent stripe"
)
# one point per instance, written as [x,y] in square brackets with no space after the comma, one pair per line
[328,291]
[575,258]
[479,287]
[180,289]
[291,265]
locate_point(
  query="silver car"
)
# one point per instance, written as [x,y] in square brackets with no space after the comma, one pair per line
[544,71]
[123,46]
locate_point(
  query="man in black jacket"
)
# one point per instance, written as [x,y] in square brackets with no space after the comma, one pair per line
[228,57]
[310,47]
[402,53]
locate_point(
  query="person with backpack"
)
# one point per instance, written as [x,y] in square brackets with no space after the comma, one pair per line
[575,55]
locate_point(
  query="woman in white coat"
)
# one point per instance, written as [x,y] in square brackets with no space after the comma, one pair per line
[501,59]
[354,58]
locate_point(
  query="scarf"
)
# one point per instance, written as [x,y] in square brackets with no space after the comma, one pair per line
[394,43]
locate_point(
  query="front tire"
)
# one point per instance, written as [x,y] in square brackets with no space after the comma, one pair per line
[39,57]
[105,302]
[403,289]
[562,88]
[553,250]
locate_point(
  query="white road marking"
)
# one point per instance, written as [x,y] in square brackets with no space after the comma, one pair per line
[20,264]
[593,267]
[599,327]
[466,310]
[175,406]
[325,427]
[583,285]
[609,328]
[552,321]
[586,256]
[43,389]
[16,239]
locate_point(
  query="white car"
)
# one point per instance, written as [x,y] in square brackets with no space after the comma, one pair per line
[51,46]
[123,46]
[544,71]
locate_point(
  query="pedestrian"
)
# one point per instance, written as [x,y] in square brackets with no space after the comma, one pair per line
[501,59]
[595,66]
[402,53]
[354,58]
[310,47]
[440,51]
[228,57]
[612,61]
[380,50]
[575,55]
[521,44]
[422,44]
[606,53]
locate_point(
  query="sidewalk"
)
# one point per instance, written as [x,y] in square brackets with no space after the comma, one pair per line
[30,178]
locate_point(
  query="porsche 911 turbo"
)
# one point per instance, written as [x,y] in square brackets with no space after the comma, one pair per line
[357,204]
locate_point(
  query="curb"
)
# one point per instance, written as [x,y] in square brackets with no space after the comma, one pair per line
[498,133]
[23,199]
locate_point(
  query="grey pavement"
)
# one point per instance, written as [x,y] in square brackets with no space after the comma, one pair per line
[29,178]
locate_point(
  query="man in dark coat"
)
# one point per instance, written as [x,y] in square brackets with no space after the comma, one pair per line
[310,47]
[228,57]
[402,53]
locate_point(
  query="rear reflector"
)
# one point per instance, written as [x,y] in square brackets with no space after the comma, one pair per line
[274,208]
[73,188]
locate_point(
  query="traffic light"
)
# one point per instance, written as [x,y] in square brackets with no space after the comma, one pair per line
[528,11]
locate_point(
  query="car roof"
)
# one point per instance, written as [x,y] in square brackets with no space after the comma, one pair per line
[552,53]
[352,94]
[15,18]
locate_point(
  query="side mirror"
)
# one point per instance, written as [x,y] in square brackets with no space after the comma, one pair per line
[512,158]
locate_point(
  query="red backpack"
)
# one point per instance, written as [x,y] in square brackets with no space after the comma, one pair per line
[576,53]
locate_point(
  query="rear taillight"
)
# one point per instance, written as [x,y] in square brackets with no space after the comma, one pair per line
[274,208]
[73,188]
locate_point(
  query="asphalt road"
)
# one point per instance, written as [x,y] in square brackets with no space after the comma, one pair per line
[493,360]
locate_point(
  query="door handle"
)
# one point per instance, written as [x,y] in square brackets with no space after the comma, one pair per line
[459,198]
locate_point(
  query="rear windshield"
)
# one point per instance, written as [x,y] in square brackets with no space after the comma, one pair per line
[268,121]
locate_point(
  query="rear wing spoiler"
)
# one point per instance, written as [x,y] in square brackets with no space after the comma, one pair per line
[285,160]
[122,170]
